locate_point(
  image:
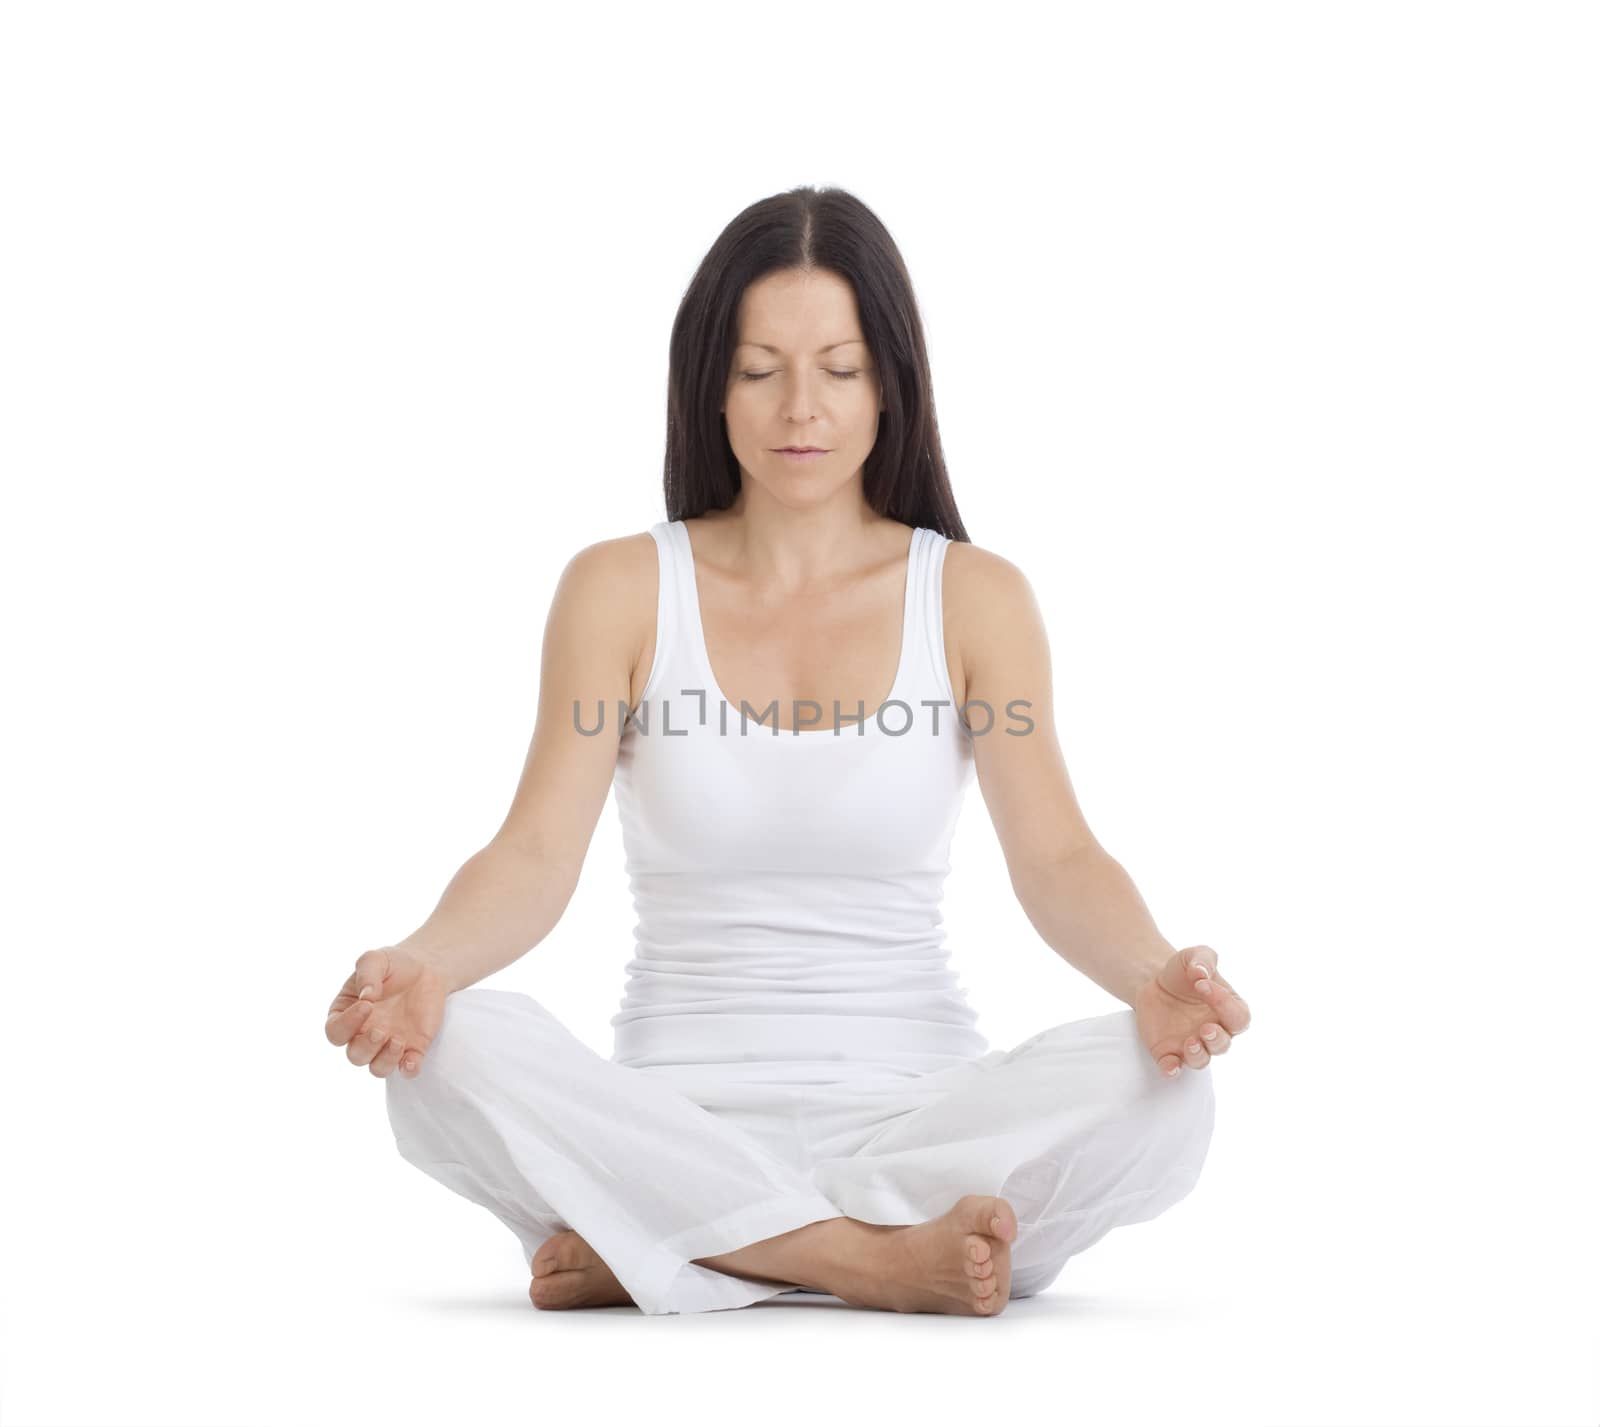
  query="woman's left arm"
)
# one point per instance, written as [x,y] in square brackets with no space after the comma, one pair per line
[1078,897]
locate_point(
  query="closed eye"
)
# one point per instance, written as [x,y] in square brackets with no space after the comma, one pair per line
[761,376]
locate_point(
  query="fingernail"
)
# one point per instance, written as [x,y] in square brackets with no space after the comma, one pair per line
[1211,1035]
[366,993]
[1172,1070]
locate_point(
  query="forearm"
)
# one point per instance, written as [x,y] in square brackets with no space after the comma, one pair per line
[501,904]
[1091,915]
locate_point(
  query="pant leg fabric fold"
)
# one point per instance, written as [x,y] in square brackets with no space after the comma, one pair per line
[515,1113]
[1076,1127]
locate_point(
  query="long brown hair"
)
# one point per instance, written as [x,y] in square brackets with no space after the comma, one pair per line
[809,229]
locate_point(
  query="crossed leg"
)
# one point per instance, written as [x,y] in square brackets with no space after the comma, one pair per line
[621,1188]
[515,1113]
[1076,1128]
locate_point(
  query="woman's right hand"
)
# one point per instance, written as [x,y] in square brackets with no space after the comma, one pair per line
[387,1014]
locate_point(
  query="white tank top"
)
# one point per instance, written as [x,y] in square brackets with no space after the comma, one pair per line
[788,882]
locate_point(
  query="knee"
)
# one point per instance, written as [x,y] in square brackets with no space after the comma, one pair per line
[1189,1102]
[1181,1108]
[1108,1053]
[1178,1114]
[1138,1072]
[460,1033]
[1103,1051]
[460,1051]
[478,1027]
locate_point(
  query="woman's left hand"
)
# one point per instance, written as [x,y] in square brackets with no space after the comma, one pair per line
[1187,1013]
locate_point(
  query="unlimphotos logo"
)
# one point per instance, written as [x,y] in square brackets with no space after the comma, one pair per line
[894,718]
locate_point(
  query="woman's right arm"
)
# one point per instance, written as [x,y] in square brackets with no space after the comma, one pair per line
[507,896]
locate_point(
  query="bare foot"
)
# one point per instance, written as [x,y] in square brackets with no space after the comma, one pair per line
[567,1273]
[957,1263]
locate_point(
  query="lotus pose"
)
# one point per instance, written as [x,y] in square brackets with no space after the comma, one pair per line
[789,684]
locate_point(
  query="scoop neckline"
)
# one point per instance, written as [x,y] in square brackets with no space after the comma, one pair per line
[868,727]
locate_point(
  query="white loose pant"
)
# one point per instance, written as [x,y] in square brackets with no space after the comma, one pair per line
[1076,1127]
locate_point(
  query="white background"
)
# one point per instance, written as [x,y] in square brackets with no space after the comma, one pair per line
[1263,341]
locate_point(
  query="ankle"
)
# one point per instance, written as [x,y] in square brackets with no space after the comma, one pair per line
[854,1254]
[828,1255]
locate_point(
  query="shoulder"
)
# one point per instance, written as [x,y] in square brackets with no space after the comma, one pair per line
[989,610]
[625,556]
[614,574]
[981,586]
[607,590]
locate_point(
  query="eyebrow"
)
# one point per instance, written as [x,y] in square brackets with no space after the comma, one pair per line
[849,341]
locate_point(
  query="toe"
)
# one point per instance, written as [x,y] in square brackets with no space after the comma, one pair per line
[991,1215]
[551,1254]
[981,1270]
[561,1253]
[567,1250]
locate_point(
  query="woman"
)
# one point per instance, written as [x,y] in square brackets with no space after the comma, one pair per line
[798,1098]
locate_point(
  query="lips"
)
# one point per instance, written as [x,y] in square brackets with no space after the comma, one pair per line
[818,449]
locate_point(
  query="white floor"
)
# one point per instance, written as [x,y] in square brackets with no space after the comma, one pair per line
[408,1307]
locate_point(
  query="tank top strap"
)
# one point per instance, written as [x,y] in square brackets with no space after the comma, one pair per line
[674,614]
[928,675]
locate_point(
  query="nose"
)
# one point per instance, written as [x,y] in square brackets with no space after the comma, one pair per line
[799,397]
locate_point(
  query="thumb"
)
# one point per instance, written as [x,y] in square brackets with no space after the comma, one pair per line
[1186,968]
[372,968]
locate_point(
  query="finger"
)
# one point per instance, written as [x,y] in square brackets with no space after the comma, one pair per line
[1229,1009]
[344,1024]
[347,994]
[411,1065]
[372,967]
[1227,1005]
[1241,1011]
[388,1057]
[1195,1055]
[1214,1038]
[1201,960]
[1170,1064]
[366,1045]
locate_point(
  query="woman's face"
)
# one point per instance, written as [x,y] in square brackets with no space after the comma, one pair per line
[802,376]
